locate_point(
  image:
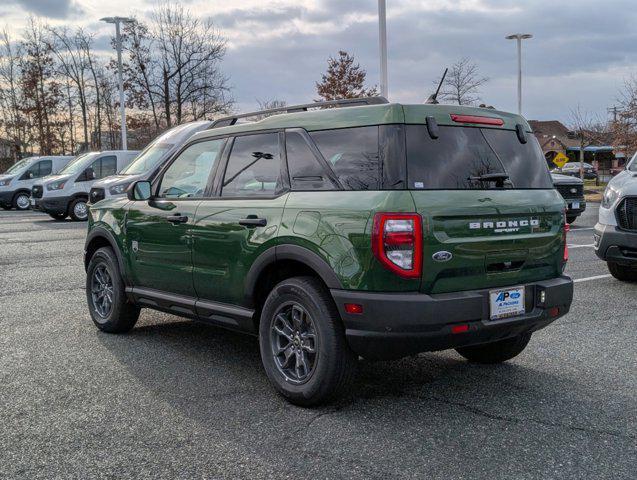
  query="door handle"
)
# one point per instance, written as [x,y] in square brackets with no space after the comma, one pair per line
[253,221]
[177,218]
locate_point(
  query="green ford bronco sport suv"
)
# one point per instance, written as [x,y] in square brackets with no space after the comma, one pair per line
[375,229]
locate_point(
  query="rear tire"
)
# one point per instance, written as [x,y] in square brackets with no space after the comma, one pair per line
[622,272]
[21,201]
[298,317]
[57,216]
[496,352]
[78,210]
[107,303]
[570,219]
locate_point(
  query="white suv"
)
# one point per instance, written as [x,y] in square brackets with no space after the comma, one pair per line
[616,231]
[16,182]
[147,163]
[66,194]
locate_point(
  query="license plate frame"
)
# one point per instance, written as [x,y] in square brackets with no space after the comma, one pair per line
[506,303]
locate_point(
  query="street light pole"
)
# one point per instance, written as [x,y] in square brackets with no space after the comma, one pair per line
[118,45]
[519,37]
[382,34]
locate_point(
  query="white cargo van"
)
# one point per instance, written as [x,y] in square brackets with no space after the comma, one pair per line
[16,182]
[66,194]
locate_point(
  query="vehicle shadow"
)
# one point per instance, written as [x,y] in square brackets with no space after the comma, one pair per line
[214,377]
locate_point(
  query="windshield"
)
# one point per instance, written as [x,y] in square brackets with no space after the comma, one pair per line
[76,165]
[473,158]
[155,152]
[22,163]
[632,165]
[148,159]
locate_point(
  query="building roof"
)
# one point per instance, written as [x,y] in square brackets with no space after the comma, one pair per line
[548,128]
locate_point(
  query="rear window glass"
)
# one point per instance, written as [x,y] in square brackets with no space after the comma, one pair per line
[353,155]
[461,158]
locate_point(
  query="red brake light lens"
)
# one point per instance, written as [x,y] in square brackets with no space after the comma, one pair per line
[397,243]
[477,119]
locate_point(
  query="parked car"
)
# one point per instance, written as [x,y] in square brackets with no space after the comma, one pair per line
[16,182]
[66,193]
[572,190]
[378,230]
[573,169]
[147,163]
[616,230]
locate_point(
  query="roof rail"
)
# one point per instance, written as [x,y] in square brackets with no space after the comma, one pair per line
[345,102]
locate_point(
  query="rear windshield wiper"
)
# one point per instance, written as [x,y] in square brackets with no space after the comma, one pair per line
[498,178]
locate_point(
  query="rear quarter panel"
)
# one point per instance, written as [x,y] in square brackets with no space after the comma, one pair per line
[337,226]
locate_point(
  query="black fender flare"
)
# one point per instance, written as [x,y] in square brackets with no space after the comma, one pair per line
[103,233]
[290,252]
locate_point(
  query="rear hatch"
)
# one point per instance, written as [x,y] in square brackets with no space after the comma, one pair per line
[491,217]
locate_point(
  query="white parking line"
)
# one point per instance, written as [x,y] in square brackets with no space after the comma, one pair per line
[587,279]
[581,229]
[580,246]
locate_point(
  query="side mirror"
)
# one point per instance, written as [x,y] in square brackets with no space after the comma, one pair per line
[139,191]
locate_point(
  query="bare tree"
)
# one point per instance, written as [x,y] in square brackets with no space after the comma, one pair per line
[142,80]
[12,119]
[344,79]
[462,84]
[624,126]
[588,130]
[189,51]
[73,63]
[40,92]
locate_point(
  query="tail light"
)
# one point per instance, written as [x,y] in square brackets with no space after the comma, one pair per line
[397,243]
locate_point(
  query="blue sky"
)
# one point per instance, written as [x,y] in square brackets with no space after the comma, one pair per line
[581,54]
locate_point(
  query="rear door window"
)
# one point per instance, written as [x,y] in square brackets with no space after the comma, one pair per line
[461,155]
[254,167]
[353,155]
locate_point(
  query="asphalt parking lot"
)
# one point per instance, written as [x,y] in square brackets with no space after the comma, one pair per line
[177,399]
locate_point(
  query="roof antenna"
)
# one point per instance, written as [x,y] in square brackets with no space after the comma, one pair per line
[433,99]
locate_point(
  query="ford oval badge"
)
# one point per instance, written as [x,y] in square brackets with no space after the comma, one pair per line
[442,256]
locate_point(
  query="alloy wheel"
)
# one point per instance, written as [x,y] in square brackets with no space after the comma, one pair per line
[294,344]
[80,210]
[22,202]
[102,291]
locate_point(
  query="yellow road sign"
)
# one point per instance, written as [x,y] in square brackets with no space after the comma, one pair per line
[560,160]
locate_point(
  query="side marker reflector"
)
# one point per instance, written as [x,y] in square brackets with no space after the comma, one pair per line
[459,328]
[353,308]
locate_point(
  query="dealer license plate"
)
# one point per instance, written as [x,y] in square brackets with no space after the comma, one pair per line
[575,205]
[506,303]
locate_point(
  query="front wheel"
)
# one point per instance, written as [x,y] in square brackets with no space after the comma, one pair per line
[107,303]
[303,346]
[496,352]
[622,272]
[21,201]
[78,210]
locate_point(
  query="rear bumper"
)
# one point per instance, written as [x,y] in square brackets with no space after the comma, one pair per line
[52,205]
[394,325]
[615,245]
